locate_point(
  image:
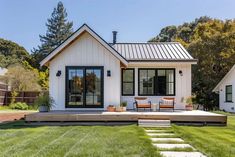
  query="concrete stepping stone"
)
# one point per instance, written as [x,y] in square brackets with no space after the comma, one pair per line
[153,131]
[167,139]
[160,134]
[172,146]
[181,154]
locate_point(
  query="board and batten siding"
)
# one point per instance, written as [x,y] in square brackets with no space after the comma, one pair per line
[85,51]
[223,105]
[183,83]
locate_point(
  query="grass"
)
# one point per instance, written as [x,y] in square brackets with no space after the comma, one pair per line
[212,141]
[70,141]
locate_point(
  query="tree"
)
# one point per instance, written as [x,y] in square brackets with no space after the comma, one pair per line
[181,33]
[12,53]
[213,44]
[22,79]
[58,29]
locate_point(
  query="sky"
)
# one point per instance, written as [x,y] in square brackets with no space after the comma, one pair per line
[135,20]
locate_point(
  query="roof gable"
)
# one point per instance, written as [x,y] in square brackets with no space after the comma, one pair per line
[224,78]
[73,37]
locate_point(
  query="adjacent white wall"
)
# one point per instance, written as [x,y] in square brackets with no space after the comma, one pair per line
[85,51]
[229,80]
[183,83]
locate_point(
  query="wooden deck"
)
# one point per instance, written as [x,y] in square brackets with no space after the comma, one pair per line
[175,117]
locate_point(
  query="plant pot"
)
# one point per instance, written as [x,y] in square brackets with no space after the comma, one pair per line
[121,109]
[43,109]
[111,109]
[189,107]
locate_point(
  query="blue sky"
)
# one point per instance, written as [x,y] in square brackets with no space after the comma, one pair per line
[135,20]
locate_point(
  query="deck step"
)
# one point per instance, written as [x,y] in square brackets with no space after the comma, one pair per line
[181,154]
[154,123]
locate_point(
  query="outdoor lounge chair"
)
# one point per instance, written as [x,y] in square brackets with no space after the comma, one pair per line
[141,102]
[167,103]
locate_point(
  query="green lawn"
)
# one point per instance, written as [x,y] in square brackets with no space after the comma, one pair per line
[82,141]
[213,141]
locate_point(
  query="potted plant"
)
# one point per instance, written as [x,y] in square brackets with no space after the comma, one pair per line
[44,102]
[111,108]
[123,106]
[189,101]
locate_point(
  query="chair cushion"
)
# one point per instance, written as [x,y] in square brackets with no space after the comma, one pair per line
[144,106]
[166,106]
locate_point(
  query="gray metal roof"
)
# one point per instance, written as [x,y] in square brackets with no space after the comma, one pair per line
[162,51]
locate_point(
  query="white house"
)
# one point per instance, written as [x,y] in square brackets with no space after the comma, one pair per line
[226,88]
[87,73]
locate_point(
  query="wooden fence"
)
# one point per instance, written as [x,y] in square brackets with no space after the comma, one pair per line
[28,97]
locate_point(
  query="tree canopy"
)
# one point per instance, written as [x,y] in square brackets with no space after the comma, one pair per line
[58,29]
[12,53]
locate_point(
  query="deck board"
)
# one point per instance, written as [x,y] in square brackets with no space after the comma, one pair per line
[178,116]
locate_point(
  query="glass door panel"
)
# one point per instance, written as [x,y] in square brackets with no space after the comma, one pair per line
[76,87]
[93,87]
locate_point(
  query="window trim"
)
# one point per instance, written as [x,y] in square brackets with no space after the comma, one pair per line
[67,68]
[128,82]
[226,93]
[155,82]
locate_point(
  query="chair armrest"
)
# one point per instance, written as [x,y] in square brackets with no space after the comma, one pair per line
[134,104]
[149,102]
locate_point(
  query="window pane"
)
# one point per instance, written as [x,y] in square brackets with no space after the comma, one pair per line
[146,84]
[128,75]
[170,75]
[127,88]
[229,97]
[228,89]
[170,88]
[128,82]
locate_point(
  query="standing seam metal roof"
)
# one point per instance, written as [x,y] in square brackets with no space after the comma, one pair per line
[152,51]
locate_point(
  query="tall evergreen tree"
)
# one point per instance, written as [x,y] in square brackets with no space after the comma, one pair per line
[58,29]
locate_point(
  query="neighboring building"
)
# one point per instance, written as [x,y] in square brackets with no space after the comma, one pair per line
[226,89]
[88,73]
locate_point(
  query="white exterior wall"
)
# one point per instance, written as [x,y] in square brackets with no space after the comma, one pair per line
[227,106]
[85,51]
[182,83]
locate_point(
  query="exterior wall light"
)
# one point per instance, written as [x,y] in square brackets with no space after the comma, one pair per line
[58,73]
[108,73]
[181,72]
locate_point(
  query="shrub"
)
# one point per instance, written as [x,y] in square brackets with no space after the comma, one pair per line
[124,104]
[19,106]
[44,99]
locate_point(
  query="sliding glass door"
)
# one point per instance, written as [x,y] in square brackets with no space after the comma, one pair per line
[84,87]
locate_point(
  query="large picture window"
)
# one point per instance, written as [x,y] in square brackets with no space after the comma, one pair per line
[156,82]
[228,93]
[128,82]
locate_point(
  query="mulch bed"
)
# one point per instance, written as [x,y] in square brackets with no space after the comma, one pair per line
[6,117]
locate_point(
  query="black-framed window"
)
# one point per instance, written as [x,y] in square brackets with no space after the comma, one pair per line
[159,82]
[228,93]
[128,82]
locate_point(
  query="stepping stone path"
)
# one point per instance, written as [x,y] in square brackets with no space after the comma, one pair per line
[170,146]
